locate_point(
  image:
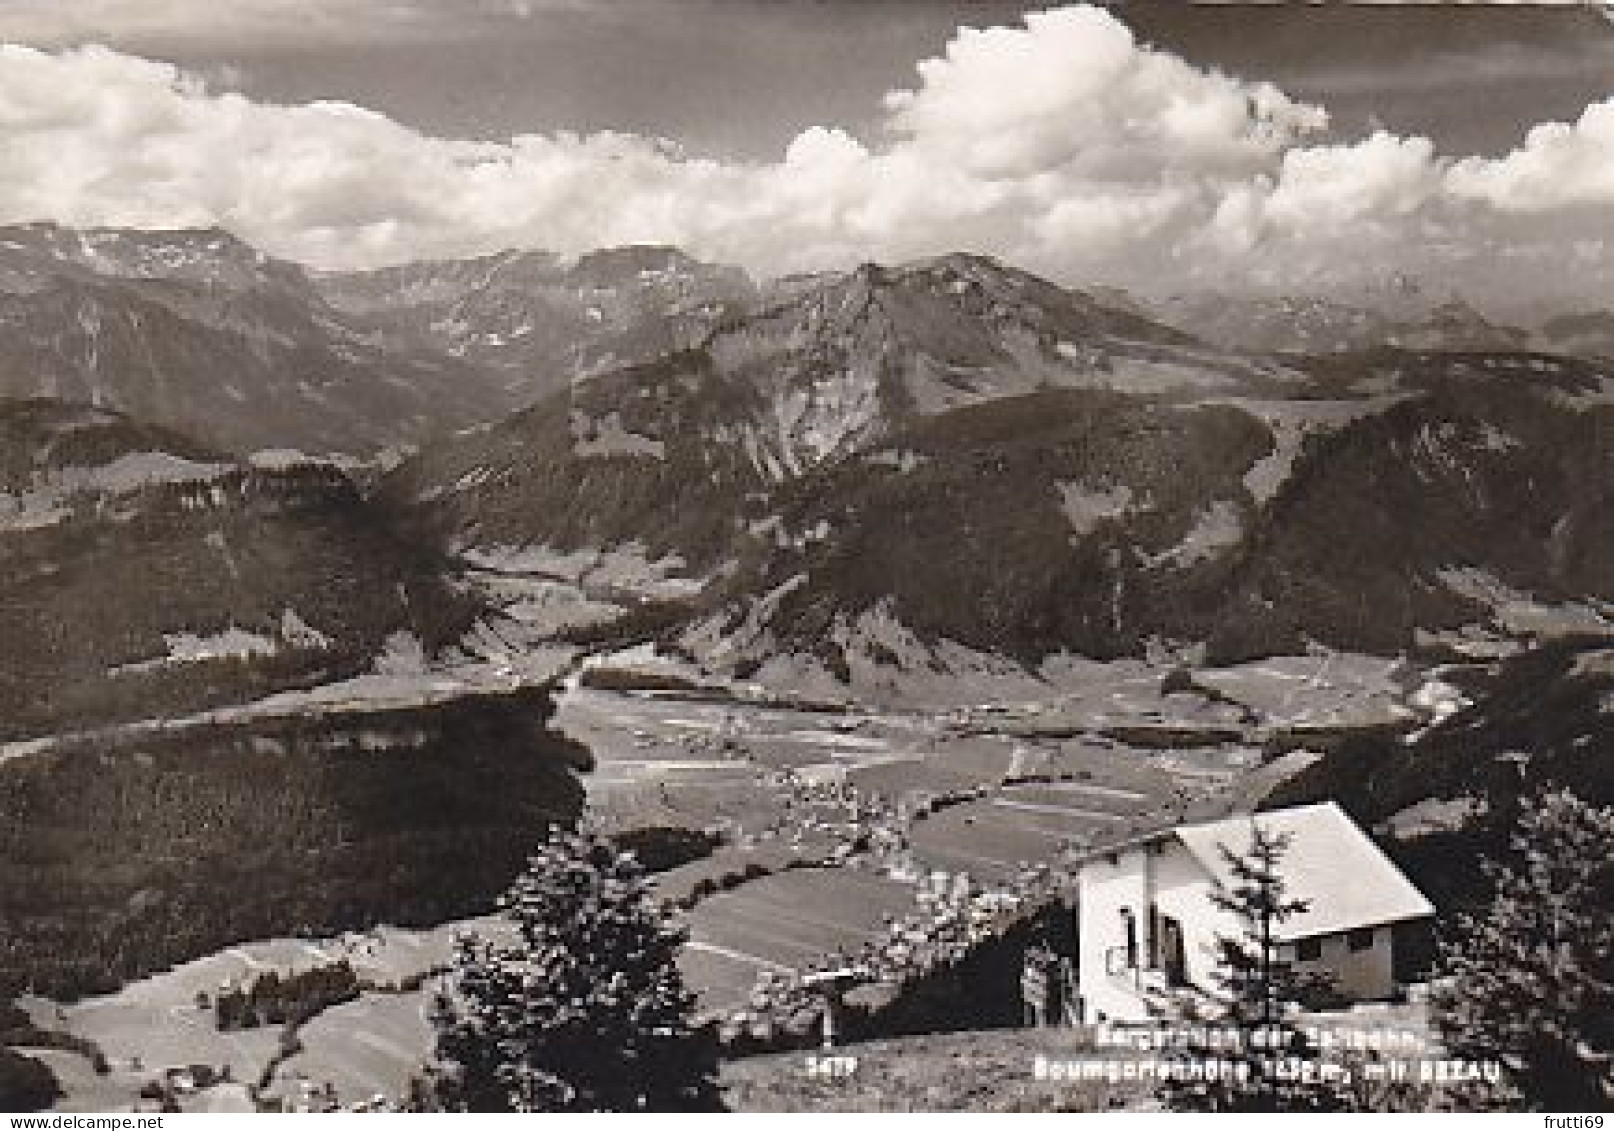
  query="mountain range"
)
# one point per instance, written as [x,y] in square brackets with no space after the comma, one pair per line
[197,331]
[286,557]
[535,320]
[848,474]
[890,462]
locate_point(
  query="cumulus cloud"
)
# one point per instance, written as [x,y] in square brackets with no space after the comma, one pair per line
[1072,91]
[1375,181]
[1062,144]
[1558,166]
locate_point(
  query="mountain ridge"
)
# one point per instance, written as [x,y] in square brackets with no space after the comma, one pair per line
[200,332]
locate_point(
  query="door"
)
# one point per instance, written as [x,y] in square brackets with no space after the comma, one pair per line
[1173,951]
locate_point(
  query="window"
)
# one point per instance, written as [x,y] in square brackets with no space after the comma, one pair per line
[1309,950]
[1359,941]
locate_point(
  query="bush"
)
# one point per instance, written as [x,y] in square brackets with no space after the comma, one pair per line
[25,1083]
[661,848]
[276,1000]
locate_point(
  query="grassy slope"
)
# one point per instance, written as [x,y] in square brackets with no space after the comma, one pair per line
[978,1072]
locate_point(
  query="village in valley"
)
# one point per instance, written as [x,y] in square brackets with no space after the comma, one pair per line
[861,873]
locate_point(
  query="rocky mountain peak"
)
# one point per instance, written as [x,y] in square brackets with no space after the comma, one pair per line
[208,257]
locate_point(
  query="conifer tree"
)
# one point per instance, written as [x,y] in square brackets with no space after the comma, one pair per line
[1256,991]
[585,1010]
[1528,979]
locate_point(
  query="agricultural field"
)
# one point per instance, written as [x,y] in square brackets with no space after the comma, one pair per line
[784,922]
[989,838]
[981,789]
[1329,689]
[160,1022]
[1009,785]
[86,1090]
[362,1048]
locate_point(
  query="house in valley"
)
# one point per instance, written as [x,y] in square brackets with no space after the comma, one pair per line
[1147,927]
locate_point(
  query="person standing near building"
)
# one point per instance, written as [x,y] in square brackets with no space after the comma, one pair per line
[1034,973]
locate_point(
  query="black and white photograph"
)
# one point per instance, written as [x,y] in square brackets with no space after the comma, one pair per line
[794,556]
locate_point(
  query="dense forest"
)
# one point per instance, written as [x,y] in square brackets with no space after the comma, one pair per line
[119,857]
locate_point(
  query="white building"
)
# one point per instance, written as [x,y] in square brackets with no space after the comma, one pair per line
[1147,926]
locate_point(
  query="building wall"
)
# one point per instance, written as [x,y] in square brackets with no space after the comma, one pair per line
[1165,875]
[1106,888]
[1186,897]
[1360,975]
[1168,876]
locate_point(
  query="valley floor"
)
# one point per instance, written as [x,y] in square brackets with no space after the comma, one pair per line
[796,793]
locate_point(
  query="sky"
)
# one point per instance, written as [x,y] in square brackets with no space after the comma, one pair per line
[1152,143]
